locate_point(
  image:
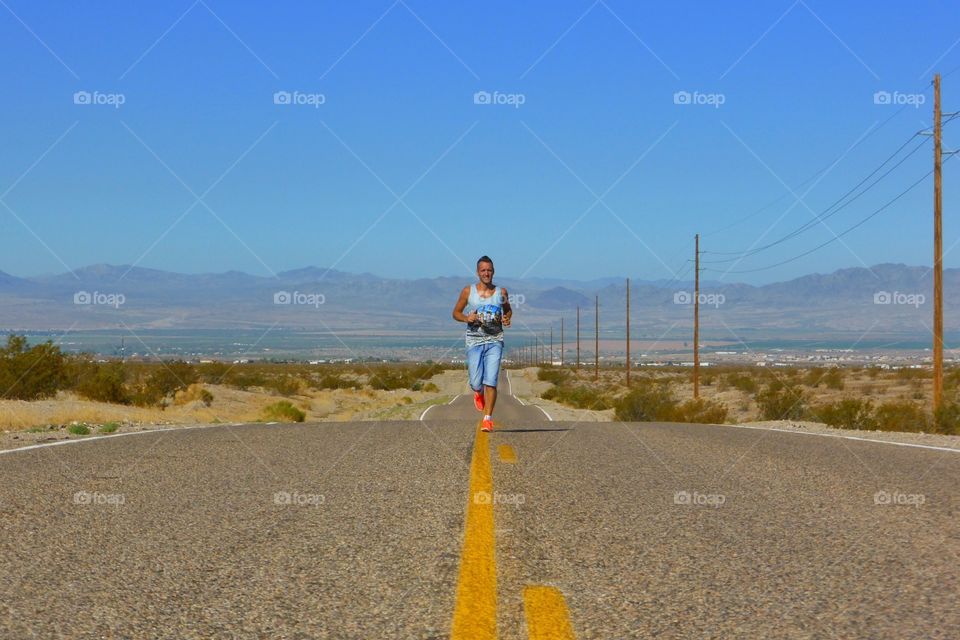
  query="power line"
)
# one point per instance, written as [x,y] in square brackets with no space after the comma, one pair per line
[840,235]
[838,204]
[812,177]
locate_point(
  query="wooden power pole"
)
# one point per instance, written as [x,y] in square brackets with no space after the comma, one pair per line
[578,337]
[596,333]
[937,250]
[561,341]
[696,320]
[551,344]
[628,332]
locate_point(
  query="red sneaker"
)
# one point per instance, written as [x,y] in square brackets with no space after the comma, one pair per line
[478,400]
[487,426]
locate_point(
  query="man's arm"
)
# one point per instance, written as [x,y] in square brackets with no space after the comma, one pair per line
[507,309]
[458,314]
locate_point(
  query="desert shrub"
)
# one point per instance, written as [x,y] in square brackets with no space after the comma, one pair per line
[390,378]
[103,382]
[578,396]
[109,427]
[334,381]
[165,380]
[780,401]
[213,372]
[193,393]
[244,379]
[79,429]
[701,410]
[30,373]
[901,416]
[913,374]
[284,385]
[742,381]
[946,419]
[431,388]
[646,404]
[848,413]
[553,376]
[813,376]
[283,411]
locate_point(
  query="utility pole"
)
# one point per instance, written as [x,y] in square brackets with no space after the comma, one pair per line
[628,332]
[696,321]
[578,337]
[937,249]
[596,333]
[561,341]
[551,344]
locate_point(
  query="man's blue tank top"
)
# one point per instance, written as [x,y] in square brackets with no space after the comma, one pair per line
[490,312]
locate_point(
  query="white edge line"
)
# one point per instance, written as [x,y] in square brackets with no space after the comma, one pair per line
[510,382]
[433,405]
[544,412]
[835,435]
[118,435]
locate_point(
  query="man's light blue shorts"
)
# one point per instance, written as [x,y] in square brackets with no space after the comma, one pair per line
[483,364]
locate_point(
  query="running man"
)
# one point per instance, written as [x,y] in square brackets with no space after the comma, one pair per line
[488,312]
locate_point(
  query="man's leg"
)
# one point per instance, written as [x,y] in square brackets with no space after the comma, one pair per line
[489,399]
[491,371]
[475,367]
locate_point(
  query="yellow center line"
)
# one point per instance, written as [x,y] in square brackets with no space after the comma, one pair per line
[507,454]
[475,612]
[547,615]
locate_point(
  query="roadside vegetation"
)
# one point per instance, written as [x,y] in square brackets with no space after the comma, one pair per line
[40,372]
[849,398]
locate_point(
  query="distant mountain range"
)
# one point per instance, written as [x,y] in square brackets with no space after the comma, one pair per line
[886,299]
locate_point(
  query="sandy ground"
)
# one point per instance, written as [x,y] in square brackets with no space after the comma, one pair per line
[528,389]
[26,423]
[929,439]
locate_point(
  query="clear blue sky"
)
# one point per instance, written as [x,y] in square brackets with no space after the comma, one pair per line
[296,185]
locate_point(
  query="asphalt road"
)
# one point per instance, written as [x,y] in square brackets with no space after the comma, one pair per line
[357,530]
